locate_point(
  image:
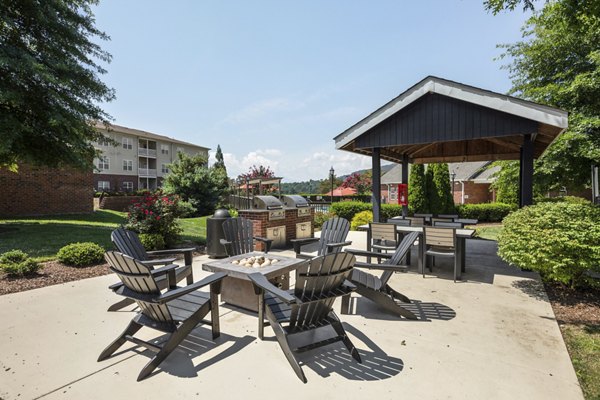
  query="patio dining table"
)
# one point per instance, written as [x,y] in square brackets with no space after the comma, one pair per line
[461,236]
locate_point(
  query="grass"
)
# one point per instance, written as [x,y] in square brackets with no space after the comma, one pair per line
[489,232]
[583,342]
[42,237]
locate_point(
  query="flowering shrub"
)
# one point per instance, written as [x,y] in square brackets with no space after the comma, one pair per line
[156,214]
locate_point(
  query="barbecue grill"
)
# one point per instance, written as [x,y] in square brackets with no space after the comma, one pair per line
[297,202]
[270,203]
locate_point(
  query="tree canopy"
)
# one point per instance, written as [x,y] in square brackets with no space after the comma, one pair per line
[50,89]
[418,201]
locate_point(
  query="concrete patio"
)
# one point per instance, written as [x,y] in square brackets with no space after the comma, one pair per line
[491,336]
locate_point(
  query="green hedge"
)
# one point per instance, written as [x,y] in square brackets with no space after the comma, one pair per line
[559,240]
[563,199]
[347,209]
[485,212]
[81,254]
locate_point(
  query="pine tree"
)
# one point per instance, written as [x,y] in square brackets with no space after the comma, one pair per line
[441,181]
[219,163]
[417,194]
[430,190]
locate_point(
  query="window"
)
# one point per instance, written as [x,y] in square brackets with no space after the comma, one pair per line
[128,186]
[165,168]
[393,192]
[127,165]
[103,163]
[104,141]
[164,149]
[127,143]
[103,185]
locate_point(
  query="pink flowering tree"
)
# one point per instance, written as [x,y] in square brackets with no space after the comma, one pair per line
[156,214]
[361,182]
[256,172]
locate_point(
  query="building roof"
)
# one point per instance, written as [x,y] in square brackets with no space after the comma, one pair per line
[438,120]
[342,192]
[144,134]
[394,175]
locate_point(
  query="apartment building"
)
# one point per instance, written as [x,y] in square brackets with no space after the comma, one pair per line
[139,161]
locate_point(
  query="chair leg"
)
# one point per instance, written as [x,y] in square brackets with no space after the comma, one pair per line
[397,295]
[214,315]
[345,304]
[287,351]
[339,329]
[131,329]
[456,266]
[121,304]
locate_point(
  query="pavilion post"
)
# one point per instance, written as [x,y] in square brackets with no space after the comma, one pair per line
[405,180]
[526,172]
[376,197]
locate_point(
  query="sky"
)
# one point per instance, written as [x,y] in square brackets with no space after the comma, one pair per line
[273,82]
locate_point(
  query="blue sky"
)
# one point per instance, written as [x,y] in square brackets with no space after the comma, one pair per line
[273,82]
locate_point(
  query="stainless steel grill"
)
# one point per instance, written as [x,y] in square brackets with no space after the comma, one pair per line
[266,203]
[295,201]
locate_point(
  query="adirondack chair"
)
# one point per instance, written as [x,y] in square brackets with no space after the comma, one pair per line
[308,306]
[239,238]
[333,238]
[377,288]
[176,312]
[128,242]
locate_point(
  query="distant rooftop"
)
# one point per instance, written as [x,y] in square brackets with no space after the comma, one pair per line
[149,135]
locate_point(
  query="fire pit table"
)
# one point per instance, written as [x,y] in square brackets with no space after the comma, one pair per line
[237,289]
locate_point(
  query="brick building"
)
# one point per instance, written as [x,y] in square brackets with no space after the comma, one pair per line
[139,161]
[45,191]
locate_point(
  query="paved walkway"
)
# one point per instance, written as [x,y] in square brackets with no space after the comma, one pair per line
[491,336]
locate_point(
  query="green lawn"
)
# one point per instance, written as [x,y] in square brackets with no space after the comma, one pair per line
[42,237]
[489,232]
[583,342]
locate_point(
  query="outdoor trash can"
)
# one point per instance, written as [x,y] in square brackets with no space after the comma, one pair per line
[214,233]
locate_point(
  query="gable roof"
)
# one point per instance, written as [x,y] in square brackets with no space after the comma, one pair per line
[430,124]
[144,134]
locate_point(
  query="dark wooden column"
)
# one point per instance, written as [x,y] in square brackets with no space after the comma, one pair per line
[526,172]
[405,180]
[376,199]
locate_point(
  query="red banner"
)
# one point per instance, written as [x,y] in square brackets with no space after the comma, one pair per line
[403,194]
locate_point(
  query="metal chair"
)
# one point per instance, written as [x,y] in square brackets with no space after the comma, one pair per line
[440,242]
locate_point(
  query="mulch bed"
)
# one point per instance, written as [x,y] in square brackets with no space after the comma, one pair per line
[574,306]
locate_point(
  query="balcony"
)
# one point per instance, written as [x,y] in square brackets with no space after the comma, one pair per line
[147,172]
[147,152]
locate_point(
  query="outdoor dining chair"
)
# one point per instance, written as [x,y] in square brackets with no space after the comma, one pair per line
[308,307]
[448,216]
[239,237]
[384,237]
[416,221]
[175,312]
[333,237]
[448,224]
[440,242]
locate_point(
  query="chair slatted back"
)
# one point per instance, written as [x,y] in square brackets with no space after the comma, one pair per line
[138,278]
[444,224]
[440,237]
[448,216]
[423,215]
[399,221]
[382,231]
[416,221]
[401,251]
[438,219]
[334,230]
[239,231]
[318,283]
[128,242]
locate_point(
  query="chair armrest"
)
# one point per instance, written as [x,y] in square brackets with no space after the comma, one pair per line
[298,243]
[331,246]
[261,284]
[173,294]
[159,261]
[381,267]
[164,270]
[365,253]
[171,251]
[267,242]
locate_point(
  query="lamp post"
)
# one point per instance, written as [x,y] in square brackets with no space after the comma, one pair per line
[453,175]
[331,176]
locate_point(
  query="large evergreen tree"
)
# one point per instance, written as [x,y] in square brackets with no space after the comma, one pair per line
[418,201]
[441,181]
[219,161]
[430,190]
[50,89]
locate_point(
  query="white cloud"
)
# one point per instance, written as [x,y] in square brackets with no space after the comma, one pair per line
[261,109]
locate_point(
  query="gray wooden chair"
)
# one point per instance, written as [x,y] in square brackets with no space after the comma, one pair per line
[128,242]
[239,238]
[448,216]
[319,281]
[416,221]
[333,237]
[376,288]
[447,224]
[440,242]
[176,312]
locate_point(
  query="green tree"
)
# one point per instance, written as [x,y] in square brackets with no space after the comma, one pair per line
[194,182]
[49,82]
[435,205]
[417,190]
[558,63]
[441,181]
[220,162]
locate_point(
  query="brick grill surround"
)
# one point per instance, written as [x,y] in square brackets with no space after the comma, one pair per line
[260,219]
[45,191]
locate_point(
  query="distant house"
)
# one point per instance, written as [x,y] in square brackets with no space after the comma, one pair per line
[471,183]
[339,192]
[139,161]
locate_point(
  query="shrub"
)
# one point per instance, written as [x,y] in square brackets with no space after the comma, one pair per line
[361,218]
[563,199]
[157,214]
[81,254]
[321,217]
[417,199]
[559,240]
[347,209]
[388,211]
[488,212]
[233,212]
[185,209]
[152,241]
[18,263]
